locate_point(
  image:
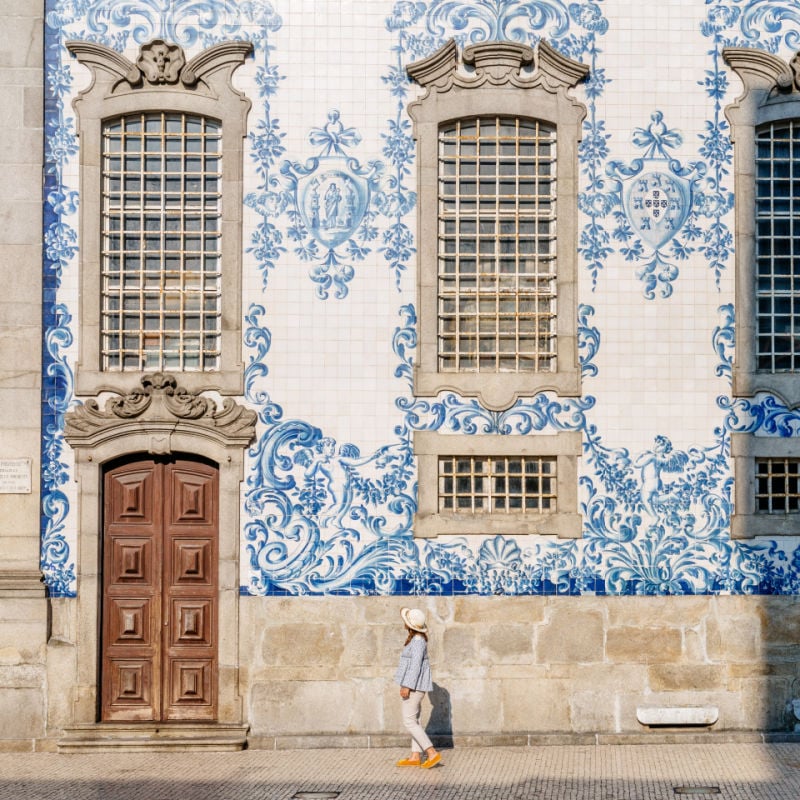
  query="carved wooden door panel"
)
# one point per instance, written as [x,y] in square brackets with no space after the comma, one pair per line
[190,592]
[160,592]
[131,669]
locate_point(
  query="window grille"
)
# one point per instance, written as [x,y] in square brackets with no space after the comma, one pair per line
[161,239]
[497,246]
[497,484]
[778,247]
[777,483]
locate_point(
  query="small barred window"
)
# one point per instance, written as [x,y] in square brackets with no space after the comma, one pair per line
[497,246]
[489,485]
[161,243]
[777,482]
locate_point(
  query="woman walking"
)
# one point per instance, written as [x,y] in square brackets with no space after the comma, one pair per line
[414,676]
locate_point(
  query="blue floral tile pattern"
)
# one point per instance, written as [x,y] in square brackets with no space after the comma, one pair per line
[322,516]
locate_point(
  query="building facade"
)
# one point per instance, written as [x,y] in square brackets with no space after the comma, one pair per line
[315,310]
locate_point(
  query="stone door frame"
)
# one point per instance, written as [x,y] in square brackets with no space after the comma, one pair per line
[161,418]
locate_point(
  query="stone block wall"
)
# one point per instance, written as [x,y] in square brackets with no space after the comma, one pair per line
[22,604]
[511,668]
[22,667]
[329,360]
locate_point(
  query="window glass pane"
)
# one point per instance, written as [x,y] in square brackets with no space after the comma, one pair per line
[512,227]
[777,485]
[496,485]
[170,270]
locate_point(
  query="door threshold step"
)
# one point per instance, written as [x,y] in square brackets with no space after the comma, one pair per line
[149,737]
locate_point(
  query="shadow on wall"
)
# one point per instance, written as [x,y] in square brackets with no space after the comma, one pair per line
[776,619]
[440,724]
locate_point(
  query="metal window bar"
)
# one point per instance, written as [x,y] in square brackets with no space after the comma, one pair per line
[777,485]
[778,247]
[497,484]
[497,246]
[161,237]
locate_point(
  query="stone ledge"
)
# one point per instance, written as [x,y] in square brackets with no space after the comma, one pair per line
[18,583]
[319,742]
[466,741]
[677,716]
[682,736]
[376,741]
[149,737]
[17,745]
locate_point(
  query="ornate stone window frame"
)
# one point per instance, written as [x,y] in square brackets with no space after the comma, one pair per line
[497,78]
[746,522]
[771,93]
[158,418]
[565,523]
[161,79]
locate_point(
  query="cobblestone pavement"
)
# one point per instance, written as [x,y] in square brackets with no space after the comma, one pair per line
[612,772]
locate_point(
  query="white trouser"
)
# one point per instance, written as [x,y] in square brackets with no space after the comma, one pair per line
[411,709]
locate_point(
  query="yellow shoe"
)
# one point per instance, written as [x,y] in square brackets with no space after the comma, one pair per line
[432,761]
[409,762]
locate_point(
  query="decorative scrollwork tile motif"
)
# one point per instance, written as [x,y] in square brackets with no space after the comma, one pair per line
[320,515]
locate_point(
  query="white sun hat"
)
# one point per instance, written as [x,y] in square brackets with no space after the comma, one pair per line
[414,618]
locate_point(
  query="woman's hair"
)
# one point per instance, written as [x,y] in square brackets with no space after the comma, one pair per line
[412,633]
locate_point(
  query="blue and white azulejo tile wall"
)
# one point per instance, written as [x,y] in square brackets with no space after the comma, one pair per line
[329,333]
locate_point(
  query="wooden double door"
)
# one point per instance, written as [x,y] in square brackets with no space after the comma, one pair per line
[160,589]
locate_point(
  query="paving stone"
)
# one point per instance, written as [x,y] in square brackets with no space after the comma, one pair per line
[754,771]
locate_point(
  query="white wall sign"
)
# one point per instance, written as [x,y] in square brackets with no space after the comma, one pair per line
[15,475]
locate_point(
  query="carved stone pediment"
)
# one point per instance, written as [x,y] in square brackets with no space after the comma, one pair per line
[159,408]
[498,63]
[759,69]
[159,63]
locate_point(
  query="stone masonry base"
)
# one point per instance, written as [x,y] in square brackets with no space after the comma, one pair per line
[515,671]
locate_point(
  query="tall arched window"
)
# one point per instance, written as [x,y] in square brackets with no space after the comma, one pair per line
[765,130]
[497,296]
[161,241]
[162,229]
[766,146]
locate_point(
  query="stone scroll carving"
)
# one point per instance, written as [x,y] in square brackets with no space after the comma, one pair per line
[498,63]
[156,409]
[159,63]
[760,70]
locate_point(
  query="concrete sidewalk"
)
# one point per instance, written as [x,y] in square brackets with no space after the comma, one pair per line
[618,772]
